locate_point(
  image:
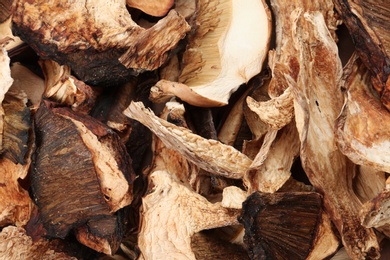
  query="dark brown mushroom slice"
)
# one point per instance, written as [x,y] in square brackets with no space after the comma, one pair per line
[98,40]
[67,183]
[281,225]
[368,23]
[17,125]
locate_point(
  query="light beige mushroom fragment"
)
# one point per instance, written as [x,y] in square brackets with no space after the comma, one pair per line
[363,128]
[16,244]
[6,31]
[27,81]
[274,171]
[210,155]
[152,7]
[5,83]
[170,160]
[233,197]
[227,49]
[171,214]
[16,204]
[64,88]
[376,213]
[276,112]
[317,104]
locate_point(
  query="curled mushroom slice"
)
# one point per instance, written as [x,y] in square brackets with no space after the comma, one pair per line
[358,133]
[210,155]
[62,87]
[317,104]
[276,112]
[274,170]
[227,49]
[172,213]
[97,39]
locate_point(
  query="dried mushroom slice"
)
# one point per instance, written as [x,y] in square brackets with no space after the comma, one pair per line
[80,170]
[281,225]
[62,87]
[227,48]
[209,155]
[97,39]
[376,212]
[172,213]
[274,170]
[318,101]
[368,24]
[16,244]
[363,128]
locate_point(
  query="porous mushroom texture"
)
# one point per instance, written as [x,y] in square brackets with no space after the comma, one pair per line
[363,128]
[226,50]
[317,104]
[210,155]
[171,214]
[16,244]
[152,7]
[97,39]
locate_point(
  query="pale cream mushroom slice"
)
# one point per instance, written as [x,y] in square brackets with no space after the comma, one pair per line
[318,101]
[16,244]
[363,128]
[210,155]
[172,213]
[274,170]
[226,50]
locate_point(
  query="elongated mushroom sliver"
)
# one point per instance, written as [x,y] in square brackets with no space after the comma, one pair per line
[209,155]
[318,101]
[224,53]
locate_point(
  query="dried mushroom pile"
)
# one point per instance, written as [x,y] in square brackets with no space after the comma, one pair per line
[194,129]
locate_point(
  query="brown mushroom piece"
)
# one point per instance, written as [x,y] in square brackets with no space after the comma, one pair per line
[98,39]
[210,155]
[281,225]
[172,213]
[226,49]
[318,101]
[368,24]
[358,134]
[92,178]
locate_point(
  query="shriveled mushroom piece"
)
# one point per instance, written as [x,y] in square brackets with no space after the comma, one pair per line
[281,225]
[98,39]
[317,103]
[363,128]
[81,174]
[172,213]
[368,23]
[208,154]
[16,244]
[226,49]
[152,7]
[62,87]
[274,170]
